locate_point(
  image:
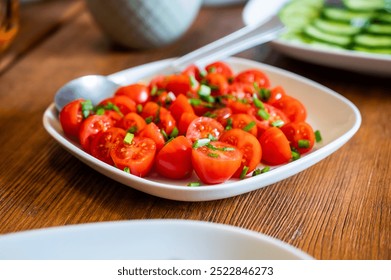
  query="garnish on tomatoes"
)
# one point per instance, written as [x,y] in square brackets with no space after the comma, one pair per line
[300,136]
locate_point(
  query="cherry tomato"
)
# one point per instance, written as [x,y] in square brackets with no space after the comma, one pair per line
[292,108]
[248,144]
[115,116]
[217,162]
[242,91]
[276,94]
[123,103]
[71,117]
[174,159]
[179,106]
[105,141]
[181,84]
[194,71]
[136,157]
[204,127]
[153,132]
[139,93]
[238,107]
[245,121]
[133,122]
[185,121]
[273,117]
[222,115]
[157,83]
[300,136]
[252,76]
[275,147]
[92,126]
[218,82]
[159,115]
[221,68]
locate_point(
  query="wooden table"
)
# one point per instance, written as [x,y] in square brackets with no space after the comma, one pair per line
[339,208]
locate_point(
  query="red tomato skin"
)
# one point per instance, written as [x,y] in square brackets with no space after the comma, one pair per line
[193,70]
[124,103]
[203,127]
[292,108]
[222,115]
[160,115]
[218,82]
[133,121]
[296,131]
[152,131]
[104,141]
[242,120]
[174,159]
[248,144]
[213,170]
[252,76]
[180,84]
[138,156]
[274,115]
[139,93]
[221,68]
[92,126]
[275,147]
[185,121]
[71,118]
[179,106]
[276,94]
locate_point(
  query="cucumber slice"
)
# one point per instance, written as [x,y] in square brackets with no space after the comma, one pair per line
[356,18]
[366,5]
[373,41]
[381,29]
[383,17]
[373,50]
[320,35]
[335,27]
[299,13]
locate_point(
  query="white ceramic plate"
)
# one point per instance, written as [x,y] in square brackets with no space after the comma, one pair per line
[375,64]
[145,239]
[335,116]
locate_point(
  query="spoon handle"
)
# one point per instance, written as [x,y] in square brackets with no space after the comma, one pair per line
[244,38]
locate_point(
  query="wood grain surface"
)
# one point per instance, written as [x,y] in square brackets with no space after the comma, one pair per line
[339,208]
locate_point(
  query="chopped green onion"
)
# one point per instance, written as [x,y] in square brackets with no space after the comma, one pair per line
[295,154]
[212,69]
[265,169]
[277,123]
[149,119]
[128,138]
[174,132]
[244,172]
[213,155]
[193,81]
[263,114]
[195,101]
[228,149]
[153,91]
[86,108]
[318,136]
[211,137]
[229,124]
[203,73]
[249,126]
[258,103]
[204,90]
[303,143]
[256,172]
[210,115]
[163,132]
[265,94]
[132,129]
[127,169]
[201,142]
[139,108]
[100,111]
[194,184]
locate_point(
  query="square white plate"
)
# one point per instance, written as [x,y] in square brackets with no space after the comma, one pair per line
[330,113]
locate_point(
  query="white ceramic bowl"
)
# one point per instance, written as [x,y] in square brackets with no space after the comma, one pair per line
[144,23]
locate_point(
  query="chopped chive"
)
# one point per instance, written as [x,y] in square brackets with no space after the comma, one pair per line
[195,101]
[258,103]
[128,138]
[211,137]
[153,91]
[277,123]
[100,111]
[127,169]
[203,73]
[201,142]
[212,69]
[263,114]
[149,119]
[244,172]
[303,143]
[213,155]
[295,154]
[249,126]
[256,172]
[193,81]
[210,114]
[194,184]
[163,132]
[318,136]
[229,124]
[209,98]
[139,108]
[132,129]
[86,108]
[204,90]
[174,133]
[265,94]
[228,149]
[265,169]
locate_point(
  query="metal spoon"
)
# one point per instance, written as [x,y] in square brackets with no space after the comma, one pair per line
[97,87]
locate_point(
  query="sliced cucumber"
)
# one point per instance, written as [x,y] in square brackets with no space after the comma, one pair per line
[373,41]
[334,27]
[320,35]
[381,29]
[366,5]
[297,14]
[340,14]
[373,50]
[383,17]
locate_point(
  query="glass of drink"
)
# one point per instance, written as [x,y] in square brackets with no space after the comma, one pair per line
[9,22]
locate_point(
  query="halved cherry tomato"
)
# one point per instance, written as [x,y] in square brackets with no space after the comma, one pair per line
[245,121]
[92,126]
[153,132]
[221,68]
[71,117]
[252,76]
[217,162]
[218,82]
[105,141]
[157,83]
[174,159]
[185,121]
[136,156]
[276,94]
[139,93]
[238,107]
[133,122]
[204,127]
[179,106]
[300,136]
[222,115]
[273,117]
[275,147]
[292,108]
[159,115]
[181,84]
[248,144]
[115,116]
[193,70]
[124,103]
[242,91]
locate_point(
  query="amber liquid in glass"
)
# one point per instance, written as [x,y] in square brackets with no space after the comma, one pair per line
[9,22]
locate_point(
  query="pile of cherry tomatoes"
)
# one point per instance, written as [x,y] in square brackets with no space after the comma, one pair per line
[212,121]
